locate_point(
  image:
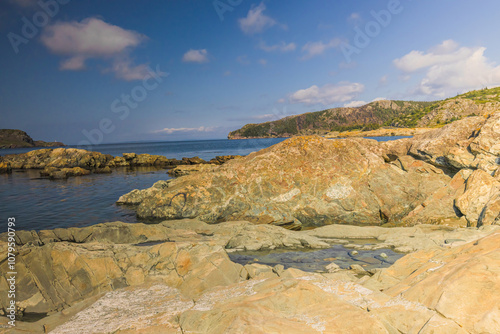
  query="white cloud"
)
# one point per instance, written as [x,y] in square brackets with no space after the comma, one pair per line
[450,69]
[383,80]
[169,131]
[446,52]
[328,94]
[196,56]
[93,38]
[256,21]
[281,47]
[281,101]
[263,62]
[379,99]
[355,104]
[312,49]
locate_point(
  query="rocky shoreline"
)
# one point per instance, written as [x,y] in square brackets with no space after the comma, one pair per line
[434,198]
[61,163]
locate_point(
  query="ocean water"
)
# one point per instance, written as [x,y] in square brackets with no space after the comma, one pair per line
[39,203]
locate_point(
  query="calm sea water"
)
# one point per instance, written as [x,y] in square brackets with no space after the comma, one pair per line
[40,204]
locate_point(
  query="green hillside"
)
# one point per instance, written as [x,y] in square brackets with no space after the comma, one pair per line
[399,114]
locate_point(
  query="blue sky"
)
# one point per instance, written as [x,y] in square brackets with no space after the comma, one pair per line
[83,75]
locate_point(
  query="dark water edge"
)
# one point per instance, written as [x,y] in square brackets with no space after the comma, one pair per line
[39,204]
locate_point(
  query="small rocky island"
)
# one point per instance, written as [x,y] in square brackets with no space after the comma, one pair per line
[19,139]
[434,198]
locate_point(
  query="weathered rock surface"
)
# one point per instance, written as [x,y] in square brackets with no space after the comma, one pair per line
[57,158]
[304,180]
[432,291]
[472,143]
[57,275]
[189,169]
[461,284]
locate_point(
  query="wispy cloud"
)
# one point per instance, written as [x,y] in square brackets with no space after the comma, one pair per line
[449,69]
[169,131]
[94,38]
[312,49]
[256,21]
[196,56]
[327,94]
[281,47]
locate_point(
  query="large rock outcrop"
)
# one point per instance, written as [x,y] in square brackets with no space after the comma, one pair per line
[304,180]
[448,176]
[471,147]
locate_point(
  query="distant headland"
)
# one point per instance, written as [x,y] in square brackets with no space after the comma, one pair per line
[10,138]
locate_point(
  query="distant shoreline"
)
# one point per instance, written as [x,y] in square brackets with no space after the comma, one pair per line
[392,132]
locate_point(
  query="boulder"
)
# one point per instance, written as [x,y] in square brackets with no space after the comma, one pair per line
[304,180]
[480,203]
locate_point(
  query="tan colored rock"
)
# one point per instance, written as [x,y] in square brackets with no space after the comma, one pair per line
[182,170]
[462,284]
[279,306]
[448,147]
[59,275]
[304,180]
[439,208]
[479,202]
